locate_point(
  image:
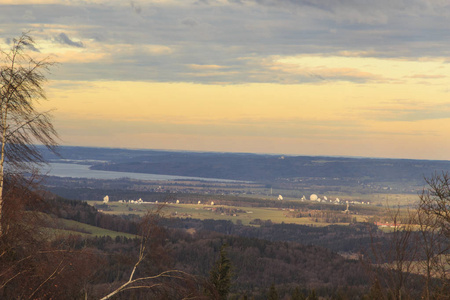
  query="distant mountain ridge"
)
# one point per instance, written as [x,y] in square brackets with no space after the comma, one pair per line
[254,167]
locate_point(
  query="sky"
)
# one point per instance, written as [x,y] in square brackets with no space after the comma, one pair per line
[295,77]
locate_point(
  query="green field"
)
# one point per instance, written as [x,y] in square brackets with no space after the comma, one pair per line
[246,208]
[67,227]
[195,211]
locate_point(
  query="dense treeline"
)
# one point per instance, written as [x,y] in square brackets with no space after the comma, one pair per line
[82,212]
[256,263]
[353,238]
[259,263]
[94,266]
[78,267]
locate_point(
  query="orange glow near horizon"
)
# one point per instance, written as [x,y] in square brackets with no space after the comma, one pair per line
[397,117]
[332,78]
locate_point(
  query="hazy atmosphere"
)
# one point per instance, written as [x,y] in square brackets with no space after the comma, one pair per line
[225,149]
[353,78]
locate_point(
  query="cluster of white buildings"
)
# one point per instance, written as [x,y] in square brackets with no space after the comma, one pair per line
[140,201]
[133,201]
[314,197]
[200,202]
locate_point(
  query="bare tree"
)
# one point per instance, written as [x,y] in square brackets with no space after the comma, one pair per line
[436,200]
[171,283]
[392,257]
[21,125]
[419,244]
[433,248]
[35,262]
[433,221]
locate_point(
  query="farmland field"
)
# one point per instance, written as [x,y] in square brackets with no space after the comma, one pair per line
[244,215]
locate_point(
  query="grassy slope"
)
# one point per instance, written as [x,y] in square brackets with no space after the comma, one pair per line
[77,228]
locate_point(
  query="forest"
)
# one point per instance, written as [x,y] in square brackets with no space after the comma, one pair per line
[81,269]
[285,261]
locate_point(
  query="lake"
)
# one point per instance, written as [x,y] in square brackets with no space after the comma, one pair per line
[83,171]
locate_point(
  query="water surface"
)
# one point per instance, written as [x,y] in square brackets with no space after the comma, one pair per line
[83,171]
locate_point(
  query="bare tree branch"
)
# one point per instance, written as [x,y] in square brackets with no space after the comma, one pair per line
[21,125]
[149,228]
[58,269]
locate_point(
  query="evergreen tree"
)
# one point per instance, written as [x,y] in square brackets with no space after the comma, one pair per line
[273,294]
[376,291]
[220,275]
[312,295]
[297,295]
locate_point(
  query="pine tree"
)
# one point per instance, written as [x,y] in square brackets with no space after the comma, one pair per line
[273,294]
[376,291]
[312,295]
[221,273]
[297,295]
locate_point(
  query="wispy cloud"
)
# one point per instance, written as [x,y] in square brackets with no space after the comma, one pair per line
[202,33]
[408,110]
[62,38]
[326,74]
[136,7]
[205,67]
[426,76]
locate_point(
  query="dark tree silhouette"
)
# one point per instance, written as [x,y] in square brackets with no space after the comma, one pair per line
[221,273]
[433,220]
[273,294]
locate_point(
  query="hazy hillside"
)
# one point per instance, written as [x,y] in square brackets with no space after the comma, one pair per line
[255,167]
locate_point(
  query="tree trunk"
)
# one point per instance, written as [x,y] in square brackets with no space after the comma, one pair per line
[2,166]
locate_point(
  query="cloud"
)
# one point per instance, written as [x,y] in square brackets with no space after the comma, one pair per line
[408,110]
[33,48]
[189,22]
[10,41]
[241,36]
[321,69]
[205,67]
[426,76]
[75,57]
[130,51]
[62,38]
[22,2]
[358,11]
[329,74]
[361,53]
[346,74]
[136,7]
